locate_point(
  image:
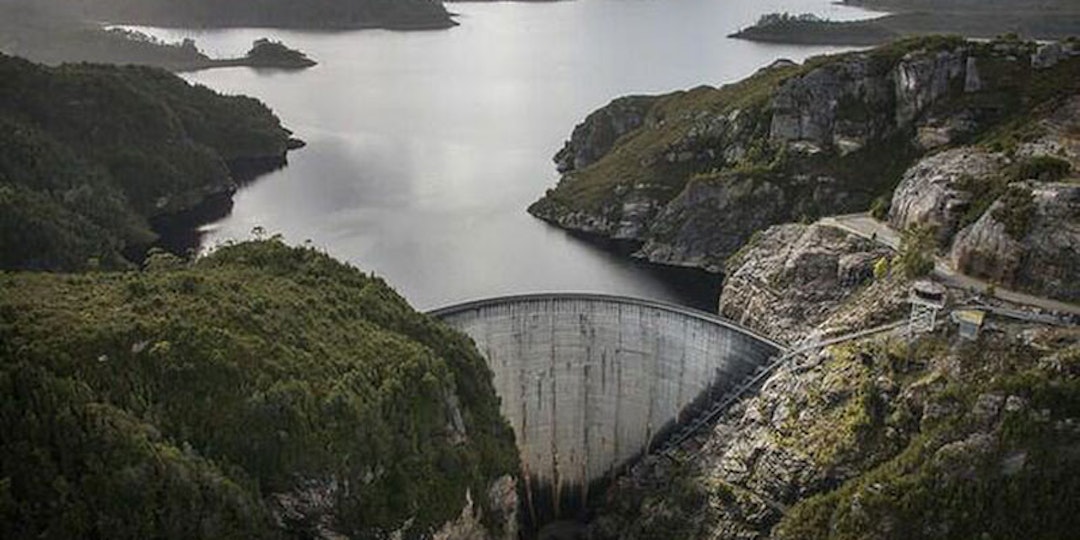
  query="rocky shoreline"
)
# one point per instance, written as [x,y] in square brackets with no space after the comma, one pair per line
[883,436]
[178,229]
[691,176]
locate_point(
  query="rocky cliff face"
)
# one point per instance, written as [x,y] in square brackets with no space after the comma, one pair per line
[883,438]
[503,504]
[1027,240]
[692,175]
[792,282]
[598,133]
[817,108]
[790,278]
[1009,217]
[936,191]
[866,438]
[689,231]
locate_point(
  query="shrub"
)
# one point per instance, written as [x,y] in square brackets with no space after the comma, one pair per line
[1014,209]
[1042,168]
[916,257]
[880,207]
[881,268]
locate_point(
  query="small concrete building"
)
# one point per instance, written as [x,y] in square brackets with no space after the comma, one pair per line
[970,322]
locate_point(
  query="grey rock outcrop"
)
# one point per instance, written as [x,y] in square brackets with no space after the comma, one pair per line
[595,136]
[691,232]
[822,106]
[972,81]
[1045,260]
[791,278]
[935,190]
[1061,134]
[471,525]
[1051,54]
[922,79]
[845,105]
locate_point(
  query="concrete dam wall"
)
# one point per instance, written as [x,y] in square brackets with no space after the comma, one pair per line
[590,382]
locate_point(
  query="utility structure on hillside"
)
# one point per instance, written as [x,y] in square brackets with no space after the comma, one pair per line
[927,299]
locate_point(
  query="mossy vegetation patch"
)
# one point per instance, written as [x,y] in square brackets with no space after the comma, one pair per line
[641,157]
[993,463]
[1015,210]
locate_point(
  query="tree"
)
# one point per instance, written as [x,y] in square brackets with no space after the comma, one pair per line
[881,268]
[917,245]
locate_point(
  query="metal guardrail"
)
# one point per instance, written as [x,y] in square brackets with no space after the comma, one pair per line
[1020,315]
[447,311]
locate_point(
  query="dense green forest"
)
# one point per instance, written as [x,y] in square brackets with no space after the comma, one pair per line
[260,392]
[90,153]
[401,14]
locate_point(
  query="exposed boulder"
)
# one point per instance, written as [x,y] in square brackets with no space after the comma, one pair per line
[936,190]
[1028,240]
[790,278]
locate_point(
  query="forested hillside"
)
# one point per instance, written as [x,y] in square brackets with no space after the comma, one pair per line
[89,154]
[261,392]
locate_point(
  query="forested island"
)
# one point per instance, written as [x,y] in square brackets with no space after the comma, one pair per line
[1047,20]
[51,35]
[266,53]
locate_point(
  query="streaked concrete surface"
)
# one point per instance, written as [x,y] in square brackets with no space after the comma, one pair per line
[589,382]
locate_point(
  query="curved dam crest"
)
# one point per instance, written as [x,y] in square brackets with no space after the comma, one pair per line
[591,382]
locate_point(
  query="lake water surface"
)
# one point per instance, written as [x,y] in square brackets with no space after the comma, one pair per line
[425,148]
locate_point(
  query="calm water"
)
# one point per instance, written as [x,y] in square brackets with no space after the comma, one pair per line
[425,148]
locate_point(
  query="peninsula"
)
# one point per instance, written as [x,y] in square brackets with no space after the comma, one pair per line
[53,36]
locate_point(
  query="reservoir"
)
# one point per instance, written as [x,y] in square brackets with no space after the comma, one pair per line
[425,148]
